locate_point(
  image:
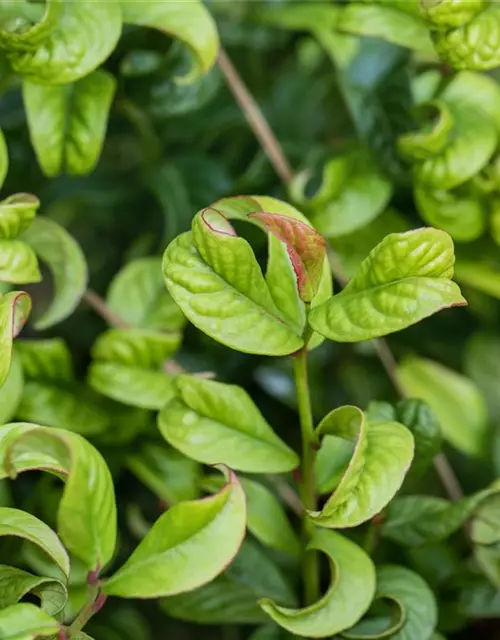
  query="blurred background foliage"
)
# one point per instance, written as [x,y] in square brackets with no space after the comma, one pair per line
[343,103]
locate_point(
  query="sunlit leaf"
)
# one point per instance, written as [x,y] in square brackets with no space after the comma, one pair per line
[18,262]
[26,622]
[214,422]
[15,308]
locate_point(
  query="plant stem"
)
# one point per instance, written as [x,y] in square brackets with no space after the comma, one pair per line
[94,603]
[307,483]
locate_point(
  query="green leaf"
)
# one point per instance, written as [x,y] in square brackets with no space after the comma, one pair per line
[353,192]
[169,474]
[387,21]
[18,262]
[136,347]
[87,512]
[479,275]
[347,599]
[382,455]
[418,417]
[459,212]
[485,527]
[418,520]
[48,360]
[331,462]
[266,519]
[15,584]
[416,607]
[4,159]
[14,522]
[137,294]
[15,308]
[188,546]
[456,401]
[17,212]
[213,422]
[67,123]
[12,390]
[26,622]
[482,364]
[57,248]
[193,25]
[404,279]
[70,41]
[477,90]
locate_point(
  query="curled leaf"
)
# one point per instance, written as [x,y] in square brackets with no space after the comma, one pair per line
[382,455]
[15,308]
[4,159]
[17,212]
[351,590]
[187,547]
[15,584]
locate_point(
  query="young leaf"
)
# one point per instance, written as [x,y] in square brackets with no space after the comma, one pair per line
[381,458]
[58,249]
[404,279]
[15,308]
[87,512]
[14,522]
[137,294]
[192,24]
[305,247]
[141,348]
[67,123]
[17,212]
[47,360]
[331,462]
[213,422]
[15,584]
[18,262]
[456,401]
[46,54]
[416,607]
[347,599]
[188,546]
[12,390]
[169,474]
[26,622]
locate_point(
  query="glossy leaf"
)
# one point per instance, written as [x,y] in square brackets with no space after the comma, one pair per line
[188,546]
[46,359]
[456,401]
[26,622]
[45,54]
[169,474]
[12,389]
[416,607]
[404,279]
[87,513]
[68,122]
[193,25]
[387,21]
[382,455]
[16,583]
[17,212]
[351,590]
[18,262]
[214,422]
[137,294]
[14,522]
[57,248]
[15,308]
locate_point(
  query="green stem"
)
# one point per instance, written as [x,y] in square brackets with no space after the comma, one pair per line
[93,605]
[307,483]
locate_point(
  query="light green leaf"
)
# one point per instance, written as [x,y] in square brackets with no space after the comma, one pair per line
[141,348]
[331,462]
[459,212]
[168,473]
[17,212]
[352,194]
[479,275]
[214,422]
[67,123]
[18,262]
[48,360]
[4,159]
[26,622]
[188,546]
[14,522]
[266,519]
[485,528]
[12,390]
[482,364]
[416,607]
[192,24]
[15,584]
[404,279]
[58,249]
[15,308]
[137,294]
[477,90]
[387,21]
[87,512]
[456,401]
[71,40]
[381,458]
[347,599]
